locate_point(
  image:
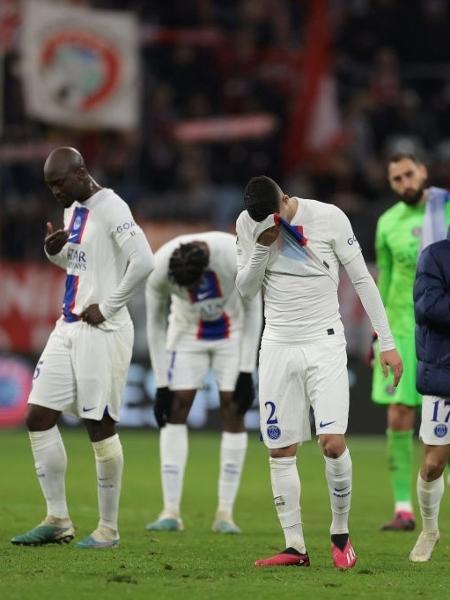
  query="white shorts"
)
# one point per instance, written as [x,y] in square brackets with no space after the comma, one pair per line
[293,379]
[83,370]
[435,424]
[188,368]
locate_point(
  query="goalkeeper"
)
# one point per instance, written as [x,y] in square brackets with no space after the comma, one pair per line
[418,219]
[209,326]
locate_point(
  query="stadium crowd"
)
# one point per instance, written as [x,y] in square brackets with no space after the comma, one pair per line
[245,58]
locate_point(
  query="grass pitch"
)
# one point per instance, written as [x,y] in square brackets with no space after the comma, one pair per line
[197,563]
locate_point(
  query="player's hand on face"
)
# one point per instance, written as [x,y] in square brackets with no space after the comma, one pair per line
[163,405]
[244,392]
[92,315]
[55,240]
[391,358]
[268,236]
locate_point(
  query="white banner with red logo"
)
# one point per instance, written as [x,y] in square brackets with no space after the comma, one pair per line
[80,66]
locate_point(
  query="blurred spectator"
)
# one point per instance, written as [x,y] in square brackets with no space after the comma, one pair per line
[389,60]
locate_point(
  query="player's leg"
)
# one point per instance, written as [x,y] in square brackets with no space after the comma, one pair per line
[328,389]
[187,372]
[434,432]
[284,424]
[233,448]
[234,440]
[173,449]
[99,396]
[109,467]
[52,392]
[400,431]
[401,403]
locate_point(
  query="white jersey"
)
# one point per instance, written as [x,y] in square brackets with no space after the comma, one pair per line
[300,293]
[214,311]
[98,228]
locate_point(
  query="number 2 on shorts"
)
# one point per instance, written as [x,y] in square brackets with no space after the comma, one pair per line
[272,420]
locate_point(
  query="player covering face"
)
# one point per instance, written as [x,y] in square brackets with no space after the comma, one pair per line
[208,327]
[292,248]
[82,370]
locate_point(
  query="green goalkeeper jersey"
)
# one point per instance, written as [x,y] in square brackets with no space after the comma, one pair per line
[397,245]
[398,241]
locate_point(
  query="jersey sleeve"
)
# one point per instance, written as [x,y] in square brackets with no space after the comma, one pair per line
[157,296]
[345,244]
[122,224]
[244,245]
[383,261]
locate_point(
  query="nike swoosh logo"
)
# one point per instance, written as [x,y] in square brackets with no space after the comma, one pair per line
[203,295]
[326,424]
[341,489]
[88,409]
[73,236]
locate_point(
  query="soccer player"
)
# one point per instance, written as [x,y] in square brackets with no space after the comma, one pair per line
[432,312]
[82,370]
[292,248]
[209,326]
[419,218]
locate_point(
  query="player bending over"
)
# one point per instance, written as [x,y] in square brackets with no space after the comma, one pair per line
[432,310]
[209,326]
[82,370]
[294,256]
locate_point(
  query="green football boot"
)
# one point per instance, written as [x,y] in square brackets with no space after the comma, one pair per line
[50,531]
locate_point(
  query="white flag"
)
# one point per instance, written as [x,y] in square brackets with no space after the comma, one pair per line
[80,66]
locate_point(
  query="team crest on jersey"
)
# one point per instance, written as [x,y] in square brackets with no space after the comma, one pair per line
[440,430]
[416,231]
[274,432]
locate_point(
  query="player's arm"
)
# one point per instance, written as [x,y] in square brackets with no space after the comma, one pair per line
[370,298]
[133,245]
[383,262]
[157,301]
[252,260]
[431,294]
[349,253]
[156,304]
[244,393]
[55,245]
[140,262]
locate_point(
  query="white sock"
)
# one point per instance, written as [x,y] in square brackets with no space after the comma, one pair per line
[233,448]
[173,449]
[109,464]
[403,506]
[430,494]
[50,461]
[286,493]
[338,472]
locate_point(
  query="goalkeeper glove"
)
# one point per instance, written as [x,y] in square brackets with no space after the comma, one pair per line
[244,392]
[163,405]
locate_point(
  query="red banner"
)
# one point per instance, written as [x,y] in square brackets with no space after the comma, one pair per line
[30,303]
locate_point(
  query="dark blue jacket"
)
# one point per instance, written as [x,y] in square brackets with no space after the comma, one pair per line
[432,309]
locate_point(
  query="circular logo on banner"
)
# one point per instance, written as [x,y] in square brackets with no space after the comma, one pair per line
[273,432]
[440,430]
[81,70]
[15,385]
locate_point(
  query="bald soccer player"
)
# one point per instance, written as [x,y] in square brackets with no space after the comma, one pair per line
[82,370]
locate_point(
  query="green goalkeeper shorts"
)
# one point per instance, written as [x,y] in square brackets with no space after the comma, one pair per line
[383,392]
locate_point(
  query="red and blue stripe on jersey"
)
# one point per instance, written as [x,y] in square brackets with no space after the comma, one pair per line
[76,230]
[296,231]
[209,288]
